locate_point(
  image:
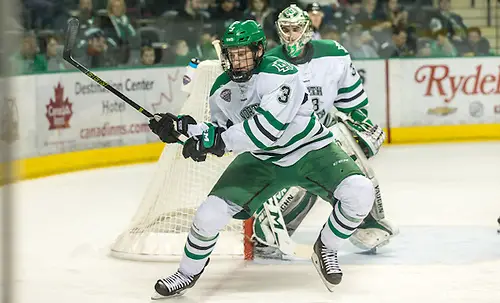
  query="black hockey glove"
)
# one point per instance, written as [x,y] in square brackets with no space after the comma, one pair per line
[183,122]
[163,126]
[210,141]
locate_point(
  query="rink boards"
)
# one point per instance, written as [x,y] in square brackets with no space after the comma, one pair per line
[65,122]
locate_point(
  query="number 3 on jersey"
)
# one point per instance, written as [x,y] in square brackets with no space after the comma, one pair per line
[319,113]
[285,94]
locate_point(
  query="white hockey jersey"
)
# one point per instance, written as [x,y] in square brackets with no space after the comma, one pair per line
[330,77]
[269,116]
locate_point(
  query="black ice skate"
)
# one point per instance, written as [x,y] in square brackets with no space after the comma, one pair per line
[175,285]
[326,263]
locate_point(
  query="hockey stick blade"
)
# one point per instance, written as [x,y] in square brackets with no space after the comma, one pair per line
[70,37]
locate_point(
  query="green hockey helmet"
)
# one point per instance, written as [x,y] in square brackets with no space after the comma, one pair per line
[294,29]
[243,46]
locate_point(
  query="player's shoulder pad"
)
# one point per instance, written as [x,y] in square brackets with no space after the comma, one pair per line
[328,48]
[222,80]
[276,51]
[275,65]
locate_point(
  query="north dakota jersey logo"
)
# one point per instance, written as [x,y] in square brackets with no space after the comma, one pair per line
[315,90]
[248,111]
[282,66]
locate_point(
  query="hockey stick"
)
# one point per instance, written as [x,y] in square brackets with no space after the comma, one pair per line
[70,40]
[218,49]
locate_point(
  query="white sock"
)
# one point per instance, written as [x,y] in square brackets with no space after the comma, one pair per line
[210,218]
[355,196]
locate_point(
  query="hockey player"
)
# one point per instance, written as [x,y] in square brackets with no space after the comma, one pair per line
[260,111]
[337,95]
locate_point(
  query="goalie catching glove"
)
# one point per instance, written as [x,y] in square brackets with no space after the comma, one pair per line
[166,125]
[369,136]
[210,141]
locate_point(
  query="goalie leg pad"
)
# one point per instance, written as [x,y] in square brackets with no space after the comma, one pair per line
[298,209]
[373,234]
[294,204]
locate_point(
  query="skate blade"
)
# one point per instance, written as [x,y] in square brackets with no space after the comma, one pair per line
[156,296]
[315,261]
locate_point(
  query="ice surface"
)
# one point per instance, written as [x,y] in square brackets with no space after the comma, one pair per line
[445,198]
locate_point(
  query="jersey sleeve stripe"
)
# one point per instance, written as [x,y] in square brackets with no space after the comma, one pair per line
[350,88]
[350,99]
[350,109]
[254,139]
[263,130]
[271,119]
[275,156]
[300,135]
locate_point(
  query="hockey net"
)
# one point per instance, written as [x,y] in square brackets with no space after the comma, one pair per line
[159,228]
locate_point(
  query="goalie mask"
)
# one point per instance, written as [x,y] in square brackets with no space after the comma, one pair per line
[243,46]
[295,29]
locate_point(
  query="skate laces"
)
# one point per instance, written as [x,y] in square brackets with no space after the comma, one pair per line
[177,281]
[330,260]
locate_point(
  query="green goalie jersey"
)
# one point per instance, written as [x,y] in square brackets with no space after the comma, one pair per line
[330,77]
[270,115]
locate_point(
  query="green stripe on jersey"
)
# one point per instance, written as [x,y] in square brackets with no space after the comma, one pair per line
[350,88]
[252,137]
[278,157]
[300,135]
[350,109]
[222,80]
[271,119]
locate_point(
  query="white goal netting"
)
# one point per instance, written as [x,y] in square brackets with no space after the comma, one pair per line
[159,228]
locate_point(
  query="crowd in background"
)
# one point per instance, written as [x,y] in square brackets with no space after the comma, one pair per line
[118,33]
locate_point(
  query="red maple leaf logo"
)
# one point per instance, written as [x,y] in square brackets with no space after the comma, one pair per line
[59,111]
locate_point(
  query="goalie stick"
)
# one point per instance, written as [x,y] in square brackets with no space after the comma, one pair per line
[70,39]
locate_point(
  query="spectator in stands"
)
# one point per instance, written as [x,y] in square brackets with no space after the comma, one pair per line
[28,60]
[96,51]
[265,15]
[316,15]
[182,53]
[367,16]
[424,48]
[452,22]
[117,27]
[45,14]
[226,13]
[205,49]
[397,47]
[164,7]
[442,46]
[189,24]
[86,14]
[363,12]
[357,43]
[337,15]
[53,54]
[330,32]
[394,13]
[477,45]
[147,55]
